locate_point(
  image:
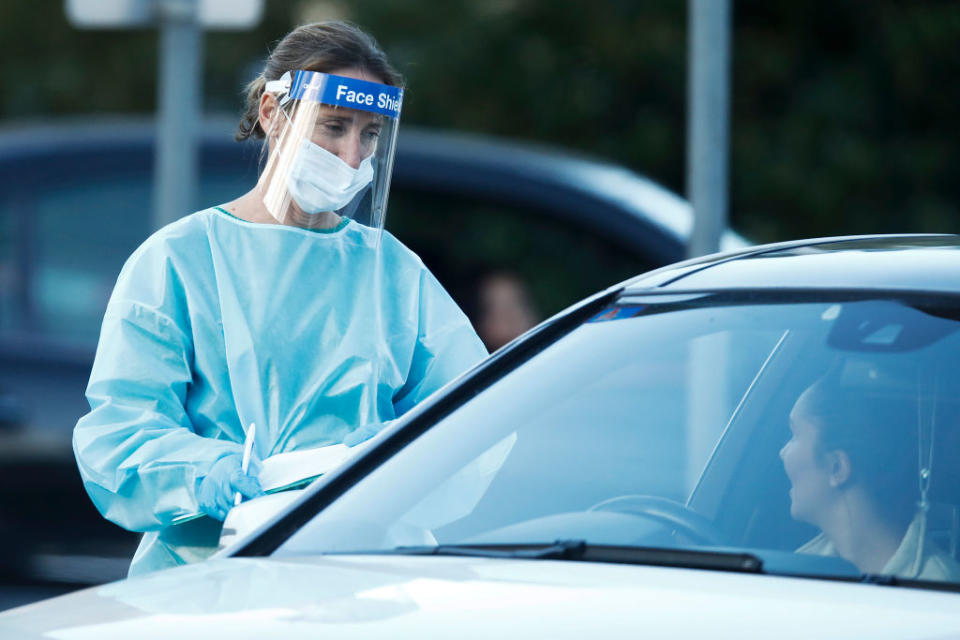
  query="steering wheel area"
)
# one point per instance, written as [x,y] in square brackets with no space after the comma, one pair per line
[669,513]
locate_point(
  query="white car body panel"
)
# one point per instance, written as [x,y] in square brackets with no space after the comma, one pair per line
[430,597]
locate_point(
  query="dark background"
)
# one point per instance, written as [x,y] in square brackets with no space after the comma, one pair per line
[843,114]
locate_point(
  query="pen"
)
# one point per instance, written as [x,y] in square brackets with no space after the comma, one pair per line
[245,462]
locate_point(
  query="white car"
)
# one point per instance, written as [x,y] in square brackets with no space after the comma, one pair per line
[763,444]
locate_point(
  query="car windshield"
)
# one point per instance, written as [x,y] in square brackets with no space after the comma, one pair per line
[821,434]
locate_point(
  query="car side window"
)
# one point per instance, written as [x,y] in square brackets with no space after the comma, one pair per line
[78,257]
[63,245]
[9,256]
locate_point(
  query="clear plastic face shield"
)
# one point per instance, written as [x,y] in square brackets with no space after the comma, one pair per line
[331,150]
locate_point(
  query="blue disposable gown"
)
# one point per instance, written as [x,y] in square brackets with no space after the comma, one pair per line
[216,323]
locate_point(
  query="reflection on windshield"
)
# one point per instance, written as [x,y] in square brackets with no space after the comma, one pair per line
[663,424]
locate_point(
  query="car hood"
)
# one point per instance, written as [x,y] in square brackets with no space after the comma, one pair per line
[417,597]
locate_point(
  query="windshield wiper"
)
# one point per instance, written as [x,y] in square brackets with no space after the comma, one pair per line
[717,560]
[888,580]
[580,550]
[559,550]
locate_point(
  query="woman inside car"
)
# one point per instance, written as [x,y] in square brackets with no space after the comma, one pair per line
[852,462]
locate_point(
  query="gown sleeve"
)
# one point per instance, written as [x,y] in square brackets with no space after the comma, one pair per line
[138,455]
[446,345]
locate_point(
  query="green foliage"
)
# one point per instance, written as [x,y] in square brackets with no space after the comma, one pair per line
[50,68]
[845,117]
[603,77]
[843,114]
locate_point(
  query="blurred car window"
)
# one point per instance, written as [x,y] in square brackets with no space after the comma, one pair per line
[83,232]
[9,255]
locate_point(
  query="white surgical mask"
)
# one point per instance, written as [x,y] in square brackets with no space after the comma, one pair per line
[320,181]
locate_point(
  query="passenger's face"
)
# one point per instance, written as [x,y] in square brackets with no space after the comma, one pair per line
[803,461]
[505,311]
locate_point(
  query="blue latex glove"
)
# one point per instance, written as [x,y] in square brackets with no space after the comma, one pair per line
[219,487]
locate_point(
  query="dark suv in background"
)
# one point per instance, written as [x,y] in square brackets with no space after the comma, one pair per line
[75,201]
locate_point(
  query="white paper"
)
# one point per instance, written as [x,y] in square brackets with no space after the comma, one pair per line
[297,467]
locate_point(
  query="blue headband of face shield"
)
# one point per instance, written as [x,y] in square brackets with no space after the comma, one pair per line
[337,91]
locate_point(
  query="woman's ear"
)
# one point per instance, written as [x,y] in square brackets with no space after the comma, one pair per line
[838,467]
[269,115]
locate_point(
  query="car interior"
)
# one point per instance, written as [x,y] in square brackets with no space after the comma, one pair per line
[744,490]
[601,449]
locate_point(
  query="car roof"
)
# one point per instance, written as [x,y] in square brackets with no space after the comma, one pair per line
[883,262]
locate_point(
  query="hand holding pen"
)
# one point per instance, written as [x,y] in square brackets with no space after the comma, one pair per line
[230,480]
